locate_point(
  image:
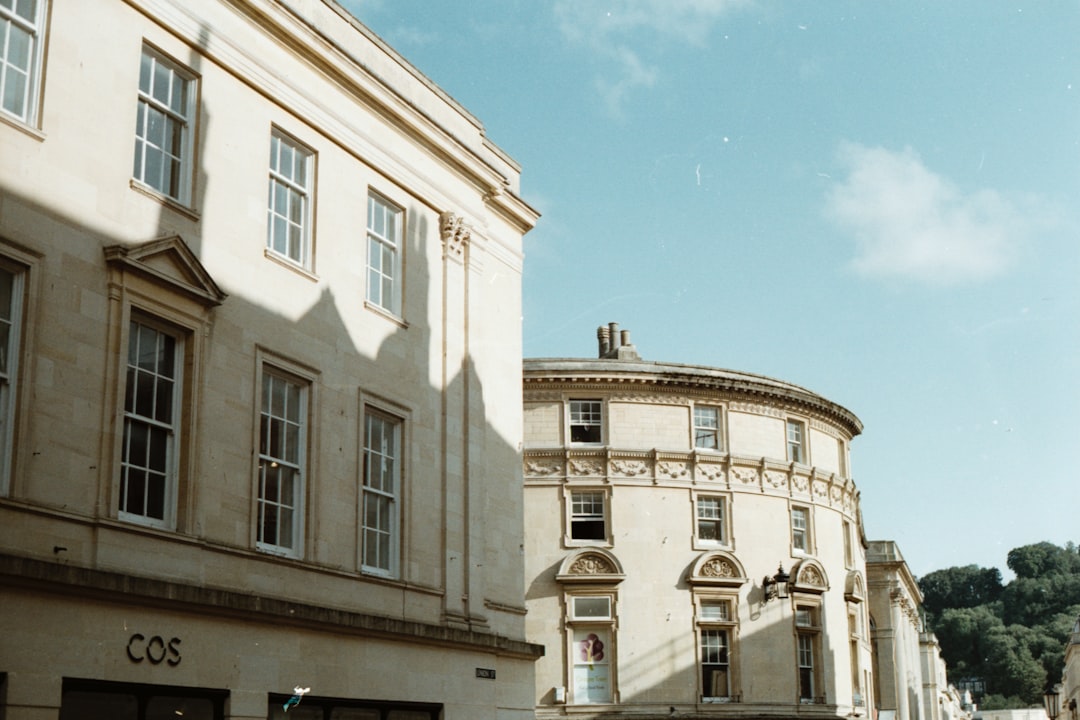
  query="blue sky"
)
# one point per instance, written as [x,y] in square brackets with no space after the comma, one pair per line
[879,201]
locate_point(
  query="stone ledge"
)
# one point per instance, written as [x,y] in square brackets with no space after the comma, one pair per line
[16,571]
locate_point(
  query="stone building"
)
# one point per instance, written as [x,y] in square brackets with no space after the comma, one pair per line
[902,656]
[1069,691]
[693,544]
[259,281]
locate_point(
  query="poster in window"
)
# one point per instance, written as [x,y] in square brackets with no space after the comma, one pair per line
[592,679]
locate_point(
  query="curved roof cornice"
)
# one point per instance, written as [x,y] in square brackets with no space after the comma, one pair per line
[578,371]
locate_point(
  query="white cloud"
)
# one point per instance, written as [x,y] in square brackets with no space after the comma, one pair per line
[910,223]
[616,30]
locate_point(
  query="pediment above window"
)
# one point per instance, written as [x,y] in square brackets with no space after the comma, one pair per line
[718,568]
[591,566]
[854,588]
[809,576]
[167,262]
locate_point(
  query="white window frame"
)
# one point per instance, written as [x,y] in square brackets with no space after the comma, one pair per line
[26,71]
[385,248]
[842,457]
[715,431]
[586,413]
[578,513]
[588,672]
[725,623]
[168,427]
[802,529]
[173,112]
[387,530]
[724,520]
[290,198]
[293,415]
[798,447]
[10,349]
[808,657]
[855,635]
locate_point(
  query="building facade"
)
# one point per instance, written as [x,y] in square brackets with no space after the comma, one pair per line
[1069,698]
[911,679]
[693,544]
[259,281]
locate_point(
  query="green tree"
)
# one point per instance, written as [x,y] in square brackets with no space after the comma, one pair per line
[959,587]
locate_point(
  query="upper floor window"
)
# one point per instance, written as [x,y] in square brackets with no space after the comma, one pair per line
[164,126]
[588,515]
[849,550]
[796,441]
[586,421]
[381,492]
[707,427]
[711,519]
[800,529]
[282,444]
[842,457]
[288,228]
[151,424]
[22,29]
[11,292]
[385,231]
[716,629]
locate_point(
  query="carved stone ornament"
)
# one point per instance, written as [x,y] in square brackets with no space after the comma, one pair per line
[745,475]
[591,565]
[801,483]
[455,233]
[543,469]
[719,568]
[586,467]
[775,479]
[629,468]
[809,575]
[820,488]
[673,469]
[710,471]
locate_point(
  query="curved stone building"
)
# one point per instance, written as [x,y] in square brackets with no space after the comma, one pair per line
[693,542]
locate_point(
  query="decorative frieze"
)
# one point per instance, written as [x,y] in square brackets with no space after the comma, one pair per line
[544,467]
[630,468]
[547,465]
[745,476]
[586,466]
[672,469]
[775,479]
[712,472]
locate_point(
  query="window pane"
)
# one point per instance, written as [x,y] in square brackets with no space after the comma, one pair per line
[592,607]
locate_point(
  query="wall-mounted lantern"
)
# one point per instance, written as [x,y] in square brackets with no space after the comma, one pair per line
[777,586]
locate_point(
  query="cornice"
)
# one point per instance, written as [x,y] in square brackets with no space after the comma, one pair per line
[356,79]
[644,378]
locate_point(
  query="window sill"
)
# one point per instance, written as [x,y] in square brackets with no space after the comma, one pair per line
[289,264]
[380,310]
[169,202]
[22,127]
